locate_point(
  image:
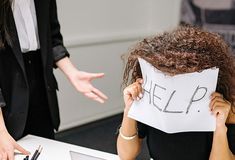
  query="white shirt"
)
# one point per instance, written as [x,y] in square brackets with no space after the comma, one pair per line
[26,24]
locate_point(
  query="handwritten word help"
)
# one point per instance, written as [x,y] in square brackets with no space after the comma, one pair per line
[152,91]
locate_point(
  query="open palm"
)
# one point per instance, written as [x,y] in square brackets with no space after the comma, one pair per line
[82,82]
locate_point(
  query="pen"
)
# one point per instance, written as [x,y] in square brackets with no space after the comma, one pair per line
[35,153]
[36,156]
[26,158]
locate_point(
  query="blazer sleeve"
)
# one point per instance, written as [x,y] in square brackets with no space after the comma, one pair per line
[2,101]
[58,49]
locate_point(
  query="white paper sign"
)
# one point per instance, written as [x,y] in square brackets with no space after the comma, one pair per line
[177,103]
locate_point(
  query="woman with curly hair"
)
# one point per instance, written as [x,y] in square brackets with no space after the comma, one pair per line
[183,50]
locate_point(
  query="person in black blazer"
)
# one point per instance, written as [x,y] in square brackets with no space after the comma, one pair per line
[28,87]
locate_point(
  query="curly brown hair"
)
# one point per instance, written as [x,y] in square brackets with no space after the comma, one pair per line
[183,50]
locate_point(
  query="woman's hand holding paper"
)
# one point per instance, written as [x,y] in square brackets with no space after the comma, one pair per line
[132,92]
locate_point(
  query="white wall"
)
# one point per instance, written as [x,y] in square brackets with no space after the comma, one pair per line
[165,14]
[97,33]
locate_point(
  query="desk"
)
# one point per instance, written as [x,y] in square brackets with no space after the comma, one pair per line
[54,150]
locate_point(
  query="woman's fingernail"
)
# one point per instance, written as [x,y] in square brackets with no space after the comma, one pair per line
[140,95]
[137,98]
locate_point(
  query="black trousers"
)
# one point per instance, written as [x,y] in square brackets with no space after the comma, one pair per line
[39,119]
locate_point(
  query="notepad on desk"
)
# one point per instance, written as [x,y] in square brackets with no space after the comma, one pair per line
[81,156]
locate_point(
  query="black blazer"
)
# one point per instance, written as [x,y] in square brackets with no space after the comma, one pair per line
[14,90]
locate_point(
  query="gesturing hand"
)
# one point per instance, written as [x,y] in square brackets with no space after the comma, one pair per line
[82,82]
[8,145]
[220,107]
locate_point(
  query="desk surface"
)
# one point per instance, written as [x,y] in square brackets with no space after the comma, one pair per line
[54,150]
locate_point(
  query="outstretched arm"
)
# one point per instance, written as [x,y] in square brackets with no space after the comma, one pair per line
[80,80]
[220,148]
